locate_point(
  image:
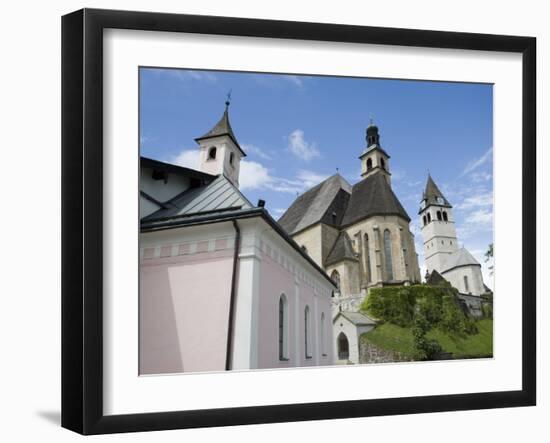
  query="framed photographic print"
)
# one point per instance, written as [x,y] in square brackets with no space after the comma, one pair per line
[269,221]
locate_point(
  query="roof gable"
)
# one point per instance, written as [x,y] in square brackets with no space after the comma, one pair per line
[223,127]
[432,193]
[318,205]
[372,196]
[342,250]
[357,318]
[219,195]
[461,257]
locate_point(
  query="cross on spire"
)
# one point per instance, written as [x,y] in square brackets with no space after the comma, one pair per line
[228,100]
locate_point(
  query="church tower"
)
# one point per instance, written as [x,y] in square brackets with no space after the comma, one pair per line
[220,152]
[374,159]
[438,227]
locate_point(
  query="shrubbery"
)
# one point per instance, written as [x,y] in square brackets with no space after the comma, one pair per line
[420,307]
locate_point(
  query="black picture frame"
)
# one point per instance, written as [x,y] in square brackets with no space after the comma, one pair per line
[82,154]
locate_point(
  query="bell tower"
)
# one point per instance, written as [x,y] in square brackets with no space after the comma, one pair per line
[438,227]
[220,152]
[374,159]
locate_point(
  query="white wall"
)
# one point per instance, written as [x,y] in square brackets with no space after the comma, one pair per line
[30,320]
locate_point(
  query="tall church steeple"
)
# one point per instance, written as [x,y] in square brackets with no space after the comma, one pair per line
[220,152]
[438,227]
[374,159]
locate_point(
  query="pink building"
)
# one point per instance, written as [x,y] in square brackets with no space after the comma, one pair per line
[222,286]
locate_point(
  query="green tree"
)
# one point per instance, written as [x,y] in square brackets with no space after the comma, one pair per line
[489,258]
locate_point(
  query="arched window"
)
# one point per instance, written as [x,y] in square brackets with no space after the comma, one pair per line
[212,153]
[283,328]
[367,258]
[369,164]
[323,336]
[335,276]
[466,285]
[429,217]
[307,332]
[439,217]
[383,163]
[445,216]
[343,346]
[424,220]
[388,255]
[231,157]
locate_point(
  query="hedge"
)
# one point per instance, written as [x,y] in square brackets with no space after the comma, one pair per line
[401,305]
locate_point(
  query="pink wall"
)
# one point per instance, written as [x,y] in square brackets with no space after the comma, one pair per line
[184,305]
[274,281]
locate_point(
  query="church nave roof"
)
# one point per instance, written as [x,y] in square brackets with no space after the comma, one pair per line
[461,257]
[372,196]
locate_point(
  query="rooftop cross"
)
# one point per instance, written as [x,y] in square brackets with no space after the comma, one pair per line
[228,100]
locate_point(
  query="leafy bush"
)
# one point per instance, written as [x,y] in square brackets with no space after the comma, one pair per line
[392,304]
[437,306]
[426,349]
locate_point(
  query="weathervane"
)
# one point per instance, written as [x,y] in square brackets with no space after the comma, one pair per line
[371,118]
[228,99]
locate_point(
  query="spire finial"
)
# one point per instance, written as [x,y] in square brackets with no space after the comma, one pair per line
[228,100]
[371,118]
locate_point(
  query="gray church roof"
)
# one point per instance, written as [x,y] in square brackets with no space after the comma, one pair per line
[223,127]
[335,202]
[461,257]
[325,202]
[341,250]
[219,195]
[357,318]
[432,192]
[372,196]
[434,278]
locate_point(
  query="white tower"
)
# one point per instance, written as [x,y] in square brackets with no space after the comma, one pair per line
[220,152]
[438,227]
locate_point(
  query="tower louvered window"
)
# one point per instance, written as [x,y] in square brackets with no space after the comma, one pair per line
[367,258]
[388,255]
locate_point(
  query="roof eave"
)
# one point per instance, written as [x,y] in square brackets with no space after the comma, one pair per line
[249,213]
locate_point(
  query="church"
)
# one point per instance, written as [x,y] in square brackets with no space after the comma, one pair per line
[445,260]
[222,285]
[360,235]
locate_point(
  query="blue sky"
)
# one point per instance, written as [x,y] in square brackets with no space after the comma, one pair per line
[297,130]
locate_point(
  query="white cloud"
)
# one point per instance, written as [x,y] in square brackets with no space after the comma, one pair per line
[254,175]
[477,162]
[186,74]
[480,217]
[310,178]
[295,79]
[186,158]
[480,177]
[301,148]
[256,150]
[477,200]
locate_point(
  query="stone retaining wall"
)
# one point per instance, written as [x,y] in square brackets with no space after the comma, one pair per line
[369,353]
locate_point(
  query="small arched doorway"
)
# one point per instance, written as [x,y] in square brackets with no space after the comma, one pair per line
[343,346]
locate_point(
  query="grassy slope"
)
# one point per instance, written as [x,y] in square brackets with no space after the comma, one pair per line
[395,338]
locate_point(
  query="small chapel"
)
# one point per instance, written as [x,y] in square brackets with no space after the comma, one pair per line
[222,285]
[360,235]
